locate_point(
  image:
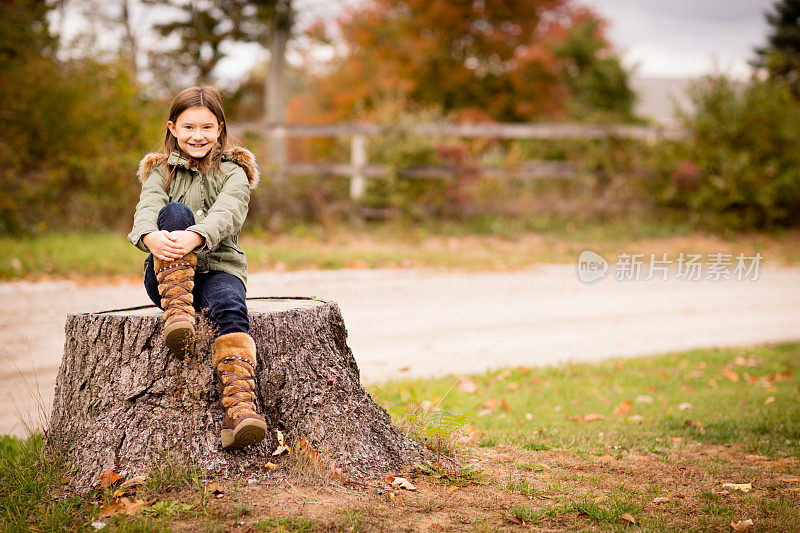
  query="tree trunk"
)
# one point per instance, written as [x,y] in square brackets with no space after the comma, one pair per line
[122,400]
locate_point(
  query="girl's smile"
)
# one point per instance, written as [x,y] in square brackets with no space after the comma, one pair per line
[196,130]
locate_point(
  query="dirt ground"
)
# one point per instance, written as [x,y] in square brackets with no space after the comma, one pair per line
[426,322]
[680,490]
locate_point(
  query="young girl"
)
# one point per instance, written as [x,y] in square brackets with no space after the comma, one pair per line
[192,205]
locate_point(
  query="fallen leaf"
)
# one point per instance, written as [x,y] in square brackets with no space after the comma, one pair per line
[661,499]
[516,520]
[280,449]
[400,482]
[730,374]
[111,508]
[214,488]
[467,385]
[271,466]
[589,418]
[124,506]
[679,495]
[685,406]
[623,408]
[135,480]
[644,399]
[791,480]
[506,406]
[635,418]
[512,386]
[628,518]
[744,487]
[528,416]
[769,400]
[108,478]
[436,526]
[471,438]
[339,475]
[490,403]
[743,526]
[696,424]
[696,374]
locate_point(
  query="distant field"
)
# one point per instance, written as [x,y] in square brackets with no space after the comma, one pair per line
[479,247]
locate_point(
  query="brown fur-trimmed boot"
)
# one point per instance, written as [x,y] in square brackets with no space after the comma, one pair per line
[175,285]
[234,364]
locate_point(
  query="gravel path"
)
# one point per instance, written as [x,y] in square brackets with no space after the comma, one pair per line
[428,323]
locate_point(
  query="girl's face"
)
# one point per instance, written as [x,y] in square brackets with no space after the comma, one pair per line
[197,130]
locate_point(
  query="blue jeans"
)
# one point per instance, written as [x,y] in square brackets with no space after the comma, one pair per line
[219,294]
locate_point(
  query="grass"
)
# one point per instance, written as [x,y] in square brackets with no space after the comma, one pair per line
[523,487]
[630,404]
[27,473]
[547,464]
[478,245]
[285,524]
[458,474]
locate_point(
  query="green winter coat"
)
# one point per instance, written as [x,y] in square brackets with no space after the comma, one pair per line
[219,203]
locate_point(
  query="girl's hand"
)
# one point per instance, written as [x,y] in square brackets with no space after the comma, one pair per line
[187,240]
[163,245]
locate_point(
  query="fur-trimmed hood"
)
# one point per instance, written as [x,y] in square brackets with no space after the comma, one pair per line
[238,154]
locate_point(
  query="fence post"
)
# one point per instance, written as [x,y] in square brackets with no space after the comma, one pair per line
[277,151]
[358,160]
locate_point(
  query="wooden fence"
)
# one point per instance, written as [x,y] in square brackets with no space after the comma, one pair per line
[359,169]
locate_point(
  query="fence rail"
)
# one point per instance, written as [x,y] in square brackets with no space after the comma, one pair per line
[488,130]
[359,168]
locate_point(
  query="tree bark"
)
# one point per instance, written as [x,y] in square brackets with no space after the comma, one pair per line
[123,401]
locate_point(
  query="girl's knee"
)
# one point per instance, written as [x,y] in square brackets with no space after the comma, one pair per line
[175,216]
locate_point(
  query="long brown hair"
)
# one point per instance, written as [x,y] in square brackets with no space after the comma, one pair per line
[198,96]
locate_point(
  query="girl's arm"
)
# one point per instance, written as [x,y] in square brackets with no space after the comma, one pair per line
[152,198]
[226,216]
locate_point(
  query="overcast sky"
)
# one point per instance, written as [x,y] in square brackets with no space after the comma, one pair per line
[685,38]
[662,38]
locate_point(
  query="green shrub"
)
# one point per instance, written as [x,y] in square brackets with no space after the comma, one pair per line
[740,168]
[77,130]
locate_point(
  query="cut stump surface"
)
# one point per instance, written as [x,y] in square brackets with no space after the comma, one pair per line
[123,402]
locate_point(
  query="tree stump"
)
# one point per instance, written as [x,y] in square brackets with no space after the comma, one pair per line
[122,400]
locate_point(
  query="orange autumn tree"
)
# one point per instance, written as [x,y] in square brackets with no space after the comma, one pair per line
[502,60]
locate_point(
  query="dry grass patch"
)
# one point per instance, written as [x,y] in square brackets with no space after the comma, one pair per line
[681,491]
